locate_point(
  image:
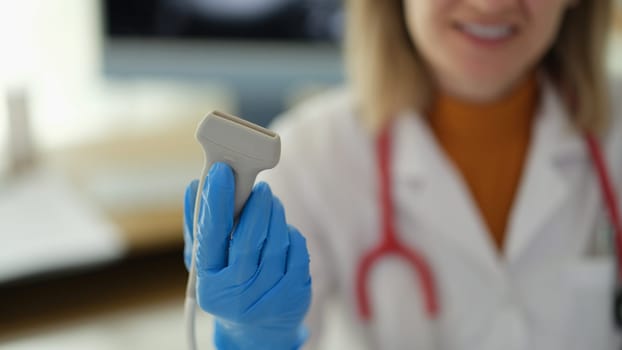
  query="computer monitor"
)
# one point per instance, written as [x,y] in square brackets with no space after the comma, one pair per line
[260,49]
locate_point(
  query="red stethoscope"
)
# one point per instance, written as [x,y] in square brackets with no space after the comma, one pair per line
[390,243]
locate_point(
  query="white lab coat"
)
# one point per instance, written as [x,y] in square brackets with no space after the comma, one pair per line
[549,289]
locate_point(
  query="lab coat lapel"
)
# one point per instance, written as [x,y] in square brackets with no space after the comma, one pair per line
[433,193]
[555,147]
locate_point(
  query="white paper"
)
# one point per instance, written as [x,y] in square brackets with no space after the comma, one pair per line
[45,225]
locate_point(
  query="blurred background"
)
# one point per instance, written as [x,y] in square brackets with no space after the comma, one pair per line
[99,100]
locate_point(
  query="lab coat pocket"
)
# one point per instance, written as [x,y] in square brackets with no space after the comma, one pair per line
[588,315]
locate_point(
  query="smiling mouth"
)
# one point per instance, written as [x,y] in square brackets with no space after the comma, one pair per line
[487,32]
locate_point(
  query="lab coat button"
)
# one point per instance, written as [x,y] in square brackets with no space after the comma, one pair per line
[517,326]
[509,330]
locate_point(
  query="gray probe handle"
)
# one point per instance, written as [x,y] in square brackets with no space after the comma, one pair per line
[244,176]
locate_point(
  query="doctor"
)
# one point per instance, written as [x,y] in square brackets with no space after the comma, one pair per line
[447,195]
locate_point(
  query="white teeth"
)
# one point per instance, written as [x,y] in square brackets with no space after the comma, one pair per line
[487,32]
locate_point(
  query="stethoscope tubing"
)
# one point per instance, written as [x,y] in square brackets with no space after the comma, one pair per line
[391,245]
[610,199]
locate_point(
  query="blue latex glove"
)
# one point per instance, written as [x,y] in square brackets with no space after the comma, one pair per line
[256,284]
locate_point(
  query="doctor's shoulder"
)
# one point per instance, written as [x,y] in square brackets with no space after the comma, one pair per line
[319,138]
[320,132]
[324,146]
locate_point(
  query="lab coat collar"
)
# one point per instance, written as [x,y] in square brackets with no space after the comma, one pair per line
[557,151]
[432,190]
[440,198]
[412,144]
[412,135]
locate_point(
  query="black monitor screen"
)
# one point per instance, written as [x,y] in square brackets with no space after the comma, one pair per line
[274,20]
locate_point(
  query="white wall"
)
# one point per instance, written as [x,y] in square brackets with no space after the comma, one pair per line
[52,49]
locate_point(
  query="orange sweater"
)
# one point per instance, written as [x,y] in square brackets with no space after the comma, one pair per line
[488,144]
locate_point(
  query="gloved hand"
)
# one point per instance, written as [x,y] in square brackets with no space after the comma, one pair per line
[256,284]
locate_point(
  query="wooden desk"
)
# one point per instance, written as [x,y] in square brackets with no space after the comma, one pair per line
[60,301]
[146,227]
[152,272]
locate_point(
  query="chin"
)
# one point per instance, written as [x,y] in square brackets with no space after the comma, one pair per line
[489,75]
[483,86]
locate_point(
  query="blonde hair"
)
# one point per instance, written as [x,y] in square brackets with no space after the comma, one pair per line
[388,74]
